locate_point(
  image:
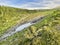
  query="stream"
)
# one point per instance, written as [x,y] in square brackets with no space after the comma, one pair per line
[19,28]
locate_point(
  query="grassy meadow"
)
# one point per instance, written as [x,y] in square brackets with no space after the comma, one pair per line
[9,17]
[44,32]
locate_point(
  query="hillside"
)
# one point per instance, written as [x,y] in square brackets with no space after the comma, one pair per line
[9,17]
[44,32]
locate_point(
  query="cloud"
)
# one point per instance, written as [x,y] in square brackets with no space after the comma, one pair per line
[31,4]
[45,4]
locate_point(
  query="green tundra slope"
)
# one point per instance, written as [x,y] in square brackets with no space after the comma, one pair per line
[44,32]
[9,16]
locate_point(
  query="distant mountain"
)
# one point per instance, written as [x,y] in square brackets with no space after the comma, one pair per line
[57,7]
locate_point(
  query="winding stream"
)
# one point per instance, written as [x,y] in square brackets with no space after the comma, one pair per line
[19,28]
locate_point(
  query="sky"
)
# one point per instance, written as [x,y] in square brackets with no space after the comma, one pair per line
[31,4]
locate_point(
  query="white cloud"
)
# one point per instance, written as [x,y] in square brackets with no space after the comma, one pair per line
[37,4]
[47,4]
[5,2]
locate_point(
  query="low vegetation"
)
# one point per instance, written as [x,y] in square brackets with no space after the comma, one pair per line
[9,17]
[44,32]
